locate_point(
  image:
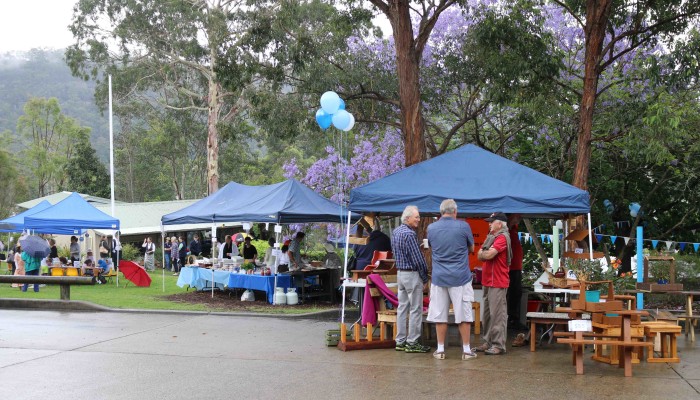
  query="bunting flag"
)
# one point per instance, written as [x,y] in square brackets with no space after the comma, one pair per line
[527,236]
[683,246]
[530,239]
[654,243]
[613,239]
[627,240]
[542,236]
[551,238]
[695,246]
[599,238]
[669,243]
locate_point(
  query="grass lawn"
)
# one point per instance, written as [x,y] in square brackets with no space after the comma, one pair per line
[154,298]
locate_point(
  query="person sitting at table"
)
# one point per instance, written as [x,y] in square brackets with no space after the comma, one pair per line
[64,261]
[88,267]
[89,256]
[250,253]
[284,259]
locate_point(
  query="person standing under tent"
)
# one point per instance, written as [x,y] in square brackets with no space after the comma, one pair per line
[250,253]
[228,249]
[11,260]
[182,252]
[116,250]
[149,254]
[32,266]
[496,255]
[295,250]
[167,248]
[19,264]
[74,249]
[104,247]
[412,277]
[451,241]
[174,256]
[54,250]
[515,287]
[195,246]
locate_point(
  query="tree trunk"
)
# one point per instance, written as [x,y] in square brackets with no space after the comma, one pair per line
[597,14]
[214,105]
[408,71]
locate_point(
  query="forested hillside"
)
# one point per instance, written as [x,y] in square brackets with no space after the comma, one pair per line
[43,73]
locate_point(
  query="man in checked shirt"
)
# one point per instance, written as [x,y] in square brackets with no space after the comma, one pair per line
[412,276]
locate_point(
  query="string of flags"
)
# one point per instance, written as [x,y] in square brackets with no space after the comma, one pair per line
[670,244]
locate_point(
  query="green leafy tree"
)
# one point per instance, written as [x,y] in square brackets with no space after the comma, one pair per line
[612,29]
[86,174]
[166,53]
[50,138]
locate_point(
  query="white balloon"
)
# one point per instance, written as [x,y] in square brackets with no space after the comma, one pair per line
[350,124]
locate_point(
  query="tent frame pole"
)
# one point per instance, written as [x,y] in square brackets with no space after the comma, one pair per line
[345,264]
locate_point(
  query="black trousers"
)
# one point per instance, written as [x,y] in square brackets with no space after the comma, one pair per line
[514,295]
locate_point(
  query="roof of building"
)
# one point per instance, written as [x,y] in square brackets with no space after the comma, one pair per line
[58,196]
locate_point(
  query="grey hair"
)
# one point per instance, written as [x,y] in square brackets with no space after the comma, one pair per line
[503,224]
[448,206]
[408,212]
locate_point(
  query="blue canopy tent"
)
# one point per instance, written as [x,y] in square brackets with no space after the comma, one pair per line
[16,222]
[72,213]
[479,181]
[283,203]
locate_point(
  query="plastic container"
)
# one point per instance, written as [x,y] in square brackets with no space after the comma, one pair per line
[292,296]
[280,296]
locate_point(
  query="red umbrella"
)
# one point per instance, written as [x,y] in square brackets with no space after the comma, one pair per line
[135,273]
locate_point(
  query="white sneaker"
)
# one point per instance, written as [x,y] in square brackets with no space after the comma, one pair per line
[440,355]
[469,356]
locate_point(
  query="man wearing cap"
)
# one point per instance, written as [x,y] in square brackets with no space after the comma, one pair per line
[451,242]
[496,255]
[412,275]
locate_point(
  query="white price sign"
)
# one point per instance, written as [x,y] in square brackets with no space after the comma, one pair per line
[580,325]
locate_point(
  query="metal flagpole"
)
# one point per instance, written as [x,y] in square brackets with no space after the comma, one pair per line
[111,164]
[162,246]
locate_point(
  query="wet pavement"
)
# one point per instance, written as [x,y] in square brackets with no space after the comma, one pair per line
[119,355]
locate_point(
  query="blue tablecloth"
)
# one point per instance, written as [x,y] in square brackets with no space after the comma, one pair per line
[200,278]
[258,282]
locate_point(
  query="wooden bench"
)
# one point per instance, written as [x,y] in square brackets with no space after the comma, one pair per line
[64,282]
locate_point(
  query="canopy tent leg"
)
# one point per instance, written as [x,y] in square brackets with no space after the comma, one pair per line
[345,267]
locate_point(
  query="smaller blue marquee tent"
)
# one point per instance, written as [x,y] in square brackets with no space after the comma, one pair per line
[479,181]
[72,214]
[283,202]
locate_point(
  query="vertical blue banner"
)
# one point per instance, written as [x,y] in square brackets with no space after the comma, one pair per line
[640,265]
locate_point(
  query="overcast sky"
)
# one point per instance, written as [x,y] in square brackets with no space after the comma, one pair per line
[28,24]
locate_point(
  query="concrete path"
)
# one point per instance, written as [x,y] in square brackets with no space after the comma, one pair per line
[111,355]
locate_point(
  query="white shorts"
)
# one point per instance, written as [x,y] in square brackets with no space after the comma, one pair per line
[461,298]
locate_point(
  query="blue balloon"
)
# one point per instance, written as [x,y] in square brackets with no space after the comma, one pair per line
[324,120]
[341,119]
[330,102]
[634,209]
[342,104]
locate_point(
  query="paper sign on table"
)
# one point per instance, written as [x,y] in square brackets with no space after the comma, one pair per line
[580,325]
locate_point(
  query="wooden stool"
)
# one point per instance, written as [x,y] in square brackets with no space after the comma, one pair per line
[668,334]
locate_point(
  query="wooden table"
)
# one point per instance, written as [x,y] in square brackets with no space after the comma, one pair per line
[624,342]
[689,317]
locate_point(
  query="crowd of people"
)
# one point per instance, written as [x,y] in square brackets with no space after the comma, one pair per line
[23,263]
[451,241]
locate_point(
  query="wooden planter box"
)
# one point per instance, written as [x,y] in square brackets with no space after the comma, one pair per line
[605,319]
[582,304]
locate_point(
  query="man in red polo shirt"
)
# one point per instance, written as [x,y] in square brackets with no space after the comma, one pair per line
[496,255]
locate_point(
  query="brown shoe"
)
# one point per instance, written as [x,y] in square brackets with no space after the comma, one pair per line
[519,340]
[483,347]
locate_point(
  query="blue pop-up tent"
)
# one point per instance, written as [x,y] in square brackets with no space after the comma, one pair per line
[479,181]
[16,222]
[283,203]
[72,213]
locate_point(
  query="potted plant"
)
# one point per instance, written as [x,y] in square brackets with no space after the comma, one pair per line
[248,268]
[587,271]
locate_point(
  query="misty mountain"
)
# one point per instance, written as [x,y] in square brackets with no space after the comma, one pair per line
[43,73]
